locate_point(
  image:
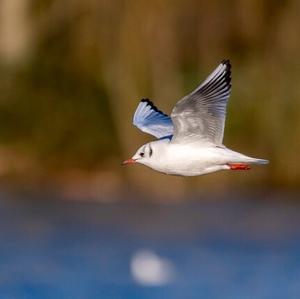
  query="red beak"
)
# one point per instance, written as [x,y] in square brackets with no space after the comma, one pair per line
[129,161]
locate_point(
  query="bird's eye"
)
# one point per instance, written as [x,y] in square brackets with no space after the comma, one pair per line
[151,151]
[142,154]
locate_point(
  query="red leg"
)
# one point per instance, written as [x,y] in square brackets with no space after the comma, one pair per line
[238,166]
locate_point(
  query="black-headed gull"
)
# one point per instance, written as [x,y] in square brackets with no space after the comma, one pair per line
[190,141]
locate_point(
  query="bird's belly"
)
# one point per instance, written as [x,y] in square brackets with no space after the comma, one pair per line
[192,162]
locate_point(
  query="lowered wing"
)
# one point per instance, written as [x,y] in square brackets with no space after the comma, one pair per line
[152,121]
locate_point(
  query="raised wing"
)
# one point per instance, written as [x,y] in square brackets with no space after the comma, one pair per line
[152,121]
[200,116]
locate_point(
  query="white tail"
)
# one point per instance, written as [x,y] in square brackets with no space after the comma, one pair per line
[257,161]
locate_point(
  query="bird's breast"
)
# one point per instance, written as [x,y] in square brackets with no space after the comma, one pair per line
[187,160]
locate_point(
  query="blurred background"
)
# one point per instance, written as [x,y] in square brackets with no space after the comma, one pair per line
[74,223]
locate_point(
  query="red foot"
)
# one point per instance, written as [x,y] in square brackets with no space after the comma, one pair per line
[238,166]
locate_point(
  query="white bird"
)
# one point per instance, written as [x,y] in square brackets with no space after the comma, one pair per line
[190,141]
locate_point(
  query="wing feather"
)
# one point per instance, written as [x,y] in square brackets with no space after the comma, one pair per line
[152,121]
[200,116]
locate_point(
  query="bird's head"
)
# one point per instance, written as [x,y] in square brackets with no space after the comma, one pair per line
[144,155]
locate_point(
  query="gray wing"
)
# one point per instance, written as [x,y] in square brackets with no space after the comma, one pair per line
[152,121]
[200,116]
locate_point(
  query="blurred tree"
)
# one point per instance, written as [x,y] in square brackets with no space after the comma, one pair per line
[15,30]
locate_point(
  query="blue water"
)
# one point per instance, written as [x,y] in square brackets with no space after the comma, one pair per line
[238,248]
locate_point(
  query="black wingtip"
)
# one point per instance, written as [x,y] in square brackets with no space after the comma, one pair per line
[147,101]
[228,69]
[150,103]
[227,63]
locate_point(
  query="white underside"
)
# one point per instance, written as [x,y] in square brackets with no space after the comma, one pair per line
[195,159]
